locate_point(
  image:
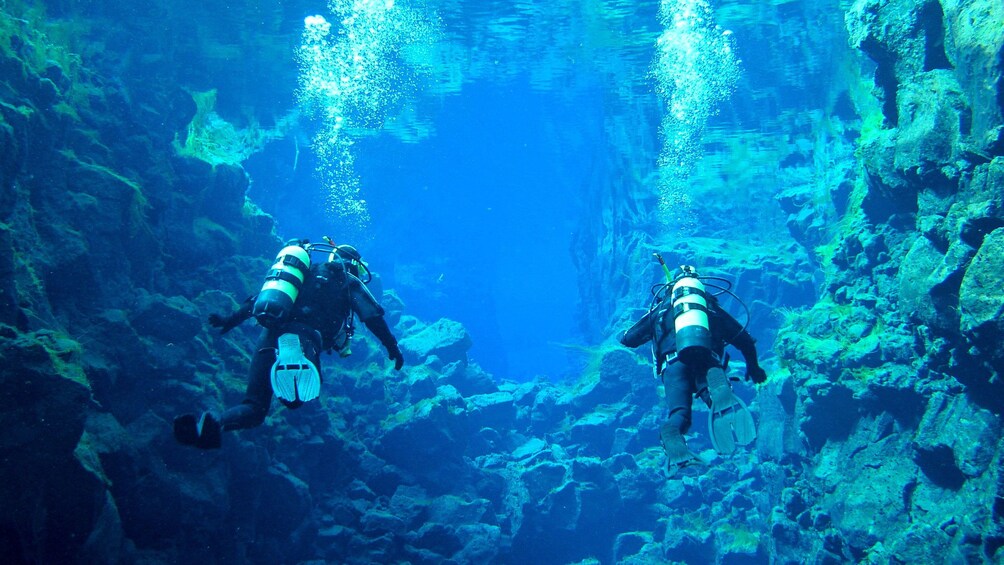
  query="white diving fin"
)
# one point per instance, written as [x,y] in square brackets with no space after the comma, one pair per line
[294,377]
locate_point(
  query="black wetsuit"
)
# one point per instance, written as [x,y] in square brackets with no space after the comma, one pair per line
[683,380]
[328,296]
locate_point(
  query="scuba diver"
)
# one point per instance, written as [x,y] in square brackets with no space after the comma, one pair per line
[689,330]
[305,309]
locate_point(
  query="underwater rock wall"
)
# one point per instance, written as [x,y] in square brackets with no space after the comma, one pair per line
[898,367]
[113,249]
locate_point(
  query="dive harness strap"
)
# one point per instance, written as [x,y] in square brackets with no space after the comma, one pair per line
[294,377]
[295,262]
[281,275]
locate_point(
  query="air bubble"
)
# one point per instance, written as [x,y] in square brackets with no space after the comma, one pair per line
[354,81]
[695,70]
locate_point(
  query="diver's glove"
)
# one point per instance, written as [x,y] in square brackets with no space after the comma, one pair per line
[378,326]
[756,374]
[224,323]
[394,353]
[227,323]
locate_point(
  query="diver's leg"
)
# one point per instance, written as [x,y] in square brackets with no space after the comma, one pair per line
[206,431]
[258,396]
[679,394]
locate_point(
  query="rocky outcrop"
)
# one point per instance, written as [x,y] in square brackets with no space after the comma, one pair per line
[445,339]
[897,383]
[102,342]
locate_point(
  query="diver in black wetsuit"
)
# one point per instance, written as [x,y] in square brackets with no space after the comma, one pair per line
[305,309]
[689,331]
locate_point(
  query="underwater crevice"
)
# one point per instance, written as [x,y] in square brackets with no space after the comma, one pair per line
[905,406]
[830,416]
[886,204]
[938,464]
[908,491]
[932,19]
[977,373]
[993,544]
[885,78]
[966,121]
[945,297]
[974,230]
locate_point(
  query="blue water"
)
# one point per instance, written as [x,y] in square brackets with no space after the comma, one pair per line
[475,223]
[525,205]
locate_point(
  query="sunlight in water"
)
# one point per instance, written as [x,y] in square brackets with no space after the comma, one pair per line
[695,69]
[354,74]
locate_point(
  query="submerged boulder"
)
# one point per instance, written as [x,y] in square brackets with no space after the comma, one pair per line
[973,42]
[929,125]
[446,339]
[928,283]
[981,296]
[426,435]
[62,489]
[955,440]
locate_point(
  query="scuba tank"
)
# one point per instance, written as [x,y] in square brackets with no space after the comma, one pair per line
[285,280]
[690,316]
[282,285]
[690,312]
[689,303]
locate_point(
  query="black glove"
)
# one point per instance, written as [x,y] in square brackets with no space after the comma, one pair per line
[224,323]
[378,326]
[394,353]
[756,374]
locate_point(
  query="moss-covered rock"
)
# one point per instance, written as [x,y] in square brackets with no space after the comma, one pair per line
[973,44]
[932,124]
[928,283]
[428,434]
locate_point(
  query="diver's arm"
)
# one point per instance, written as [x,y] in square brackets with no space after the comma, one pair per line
[371,314]
[741,339]
[361,300]
[640,333]
[378,326]
[233,320]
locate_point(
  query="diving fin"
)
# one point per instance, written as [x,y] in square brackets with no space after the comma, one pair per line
[204,433]
[186,431]
[294,377]
[730,421]
[678,455]
[210,432]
